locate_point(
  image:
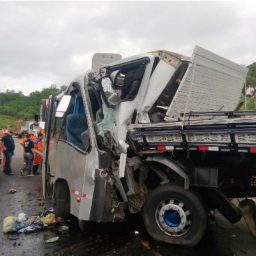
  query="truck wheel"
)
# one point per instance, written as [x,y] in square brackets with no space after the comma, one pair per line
[62,200]
[174,215]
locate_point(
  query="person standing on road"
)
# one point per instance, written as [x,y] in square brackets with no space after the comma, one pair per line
[38,145]
[2,157]
[1,151]
[8,148]
[28,156]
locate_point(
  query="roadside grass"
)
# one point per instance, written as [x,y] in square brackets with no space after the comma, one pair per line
[10,122]
[249,104]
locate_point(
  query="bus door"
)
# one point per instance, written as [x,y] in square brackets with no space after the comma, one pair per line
[73,149]
[49,149]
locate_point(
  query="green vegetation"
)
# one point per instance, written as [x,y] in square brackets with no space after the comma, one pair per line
[9,121]
[251,76]
[249,103]
[16,108]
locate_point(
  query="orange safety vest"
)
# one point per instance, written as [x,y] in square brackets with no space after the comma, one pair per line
[38,145]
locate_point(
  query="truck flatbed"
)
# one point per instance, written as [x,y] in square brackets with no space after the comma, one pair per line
[224,131]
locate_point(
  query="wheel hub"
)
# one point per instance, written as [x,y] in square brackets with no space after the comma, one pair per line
[173,217]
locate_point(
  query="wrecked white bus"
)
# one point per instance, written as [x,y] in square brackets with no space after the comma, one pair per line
[155,135]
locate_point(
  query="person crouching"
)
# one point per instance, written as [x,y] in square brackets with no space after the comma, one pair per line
[28,156]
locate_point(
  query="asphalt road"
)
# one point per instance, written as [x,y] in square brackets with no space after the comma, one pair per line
[221,239]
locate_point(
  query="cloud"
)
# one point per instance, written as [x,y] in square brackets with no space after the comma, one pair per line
[44,43]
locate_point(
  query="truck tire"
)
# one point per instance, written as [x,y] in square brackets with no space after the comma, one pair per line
[174,215]
[62,200]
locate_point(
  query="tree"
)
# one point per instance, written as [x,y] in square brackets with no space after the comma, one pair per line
[17,106]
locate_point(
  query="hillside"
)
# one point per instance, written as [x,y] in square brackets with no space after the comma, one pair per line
[16,108]
[249,103]
[251,76]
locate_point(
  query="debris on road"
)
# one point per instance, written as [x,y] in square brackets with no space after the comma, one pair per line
[52,240]
[9,224]
[22,217]
[49,219]
[22,223]
[60,220]
[63,228]
[47,211]
[33,223]
[12,190]
[145,244]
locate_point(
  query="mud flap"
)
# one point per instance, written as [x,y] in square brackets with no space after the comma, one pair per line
[224,205]
[248,210]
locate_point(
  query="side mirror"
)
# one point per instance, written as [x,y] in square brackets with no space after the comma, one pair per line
[63,106]
[85,138]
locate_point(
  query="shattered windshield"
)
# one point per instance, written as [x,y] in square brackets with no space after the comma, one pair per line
[122,84]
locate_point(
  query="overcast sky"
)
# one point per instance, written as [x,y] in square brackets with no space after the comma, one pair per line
[44,43]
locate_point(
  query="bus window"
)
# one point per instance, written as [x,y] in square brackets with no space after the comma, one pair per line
[63,106]
[57,127]
[52,118]
[75,123]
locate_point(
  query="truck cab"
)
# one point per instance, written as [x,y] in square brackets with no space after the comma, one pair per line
[117,143]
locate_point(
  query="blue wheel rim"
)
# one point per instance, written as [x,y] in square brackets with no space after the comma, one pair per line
[172,218]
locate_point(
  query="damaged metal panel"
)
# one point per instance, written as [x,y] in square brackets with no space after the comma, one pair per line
[100,60]
[211,83]
[160,77]
[171,58]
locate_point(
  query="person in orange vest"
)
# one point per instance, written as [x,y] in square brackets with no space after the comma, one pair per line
[22,141]
[38,149]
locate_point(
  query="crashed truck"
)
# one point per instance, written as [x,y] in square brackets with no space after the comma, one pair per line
[157,135]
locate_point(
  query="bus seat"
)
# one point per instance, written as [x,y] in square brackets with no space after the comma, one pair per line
[78,105]
[76,124]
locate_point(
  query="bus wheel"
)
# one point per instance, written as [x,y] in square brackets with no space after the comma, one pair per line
[85,225]
[48,185]
[62,199]
[174,215]
[82,225]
